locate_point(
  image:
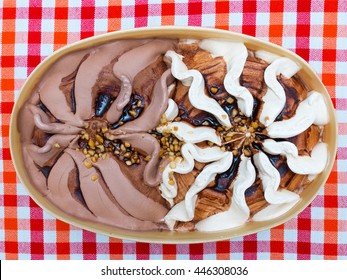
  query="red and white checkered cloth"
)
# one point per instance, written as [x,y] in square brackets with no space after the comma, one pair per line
[32,30]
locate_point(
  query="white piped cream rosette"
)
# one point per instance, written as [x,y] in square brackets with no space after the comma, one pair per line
[310,111]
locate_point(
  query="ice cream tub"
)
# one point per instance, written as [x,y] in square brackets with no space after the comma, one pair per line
[173,134]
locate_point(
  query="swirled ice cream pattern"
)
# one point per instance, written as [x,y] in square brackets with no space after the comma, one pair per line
[103,190]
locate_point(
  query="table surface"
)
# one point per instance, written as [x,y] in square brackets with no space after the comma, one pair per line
[30,31]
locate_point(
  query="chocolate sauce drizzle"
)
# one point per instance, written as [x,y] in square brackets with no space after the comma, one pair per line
[223,180]
[102,103]
[251,190]
[43,107]
[73,98]
[290,94]
[76,191]
[204,118]
[46,169]
[132,106]
[72,78]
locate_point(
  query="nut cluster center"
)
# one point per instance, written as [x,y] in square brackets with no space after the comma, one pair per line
[244,136]
[96,143]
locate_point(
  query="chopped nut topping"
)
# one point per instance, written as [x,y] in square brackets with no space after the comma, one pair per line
[214,89]
[132,113]
[230,100]
[170,145]
[88,164]
[99,138]
[94,177]
[94,158]
[242,136]
[163,119]
[95,142]
[91,143]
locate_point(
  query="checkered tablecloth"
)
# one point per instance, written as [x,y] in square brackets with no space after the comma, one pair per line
[32,30]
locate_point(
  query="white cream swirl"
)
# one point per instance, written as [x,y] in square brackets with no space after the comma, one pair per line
[271,178]
[190,134]
[196,93]
[171,111]
[190,152]
[184,210]
[306,165]
[238,213]
[312,110]
[275,97]
[235,55]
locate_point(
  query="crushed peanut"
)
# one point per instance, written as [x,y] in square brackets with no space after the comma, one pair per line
[96,142]
[94,177]
[170,145]
[230,100]
[241,137]
[88,164]
[214,89]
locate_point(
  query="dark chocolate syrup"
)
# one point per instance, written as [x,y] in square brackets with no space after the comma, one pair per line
[43,107]
[251,190]
[291,93]
[256,107]
[73,98]
[203,117]
[283,168]
[102,103]
[223,180]
[46,170]
[273,158]
[77,190]
[259,136]
[131,106]
[257,146]
[227,107]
